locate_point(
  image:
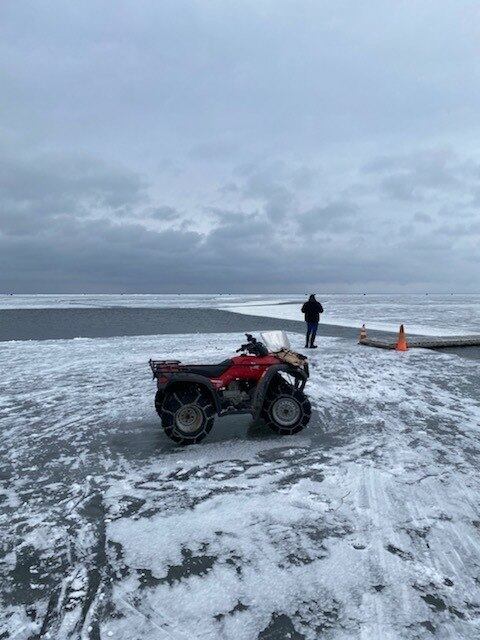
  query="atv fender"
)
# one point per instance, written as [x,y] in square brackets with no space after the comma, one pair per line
[192,378]
[264,383]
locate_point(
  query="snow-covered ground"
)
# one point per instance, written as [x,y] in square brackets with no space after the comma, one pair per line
[365,525]
[436,315]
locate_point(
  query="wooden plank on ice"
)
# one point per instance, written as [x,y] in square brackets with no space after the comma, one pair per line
[427,342]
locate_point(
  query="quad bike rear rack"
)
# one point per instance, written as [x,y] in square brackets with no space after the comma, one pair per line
[161,368]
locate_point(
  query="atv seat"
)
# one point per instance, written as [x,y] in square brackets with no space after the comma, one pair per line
[208,370]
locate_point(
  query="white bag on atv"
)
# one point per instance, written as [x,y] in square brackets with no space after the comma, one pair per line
[275,340]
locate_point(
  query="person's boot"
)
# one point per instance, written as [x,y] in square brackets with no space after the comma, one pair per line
[313,346]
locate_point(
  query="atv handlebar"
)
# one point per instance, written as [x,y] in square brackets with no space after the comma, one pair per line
[253,346]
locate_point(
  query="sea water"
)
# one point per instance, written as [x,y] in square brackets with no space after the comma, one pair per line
[430,314]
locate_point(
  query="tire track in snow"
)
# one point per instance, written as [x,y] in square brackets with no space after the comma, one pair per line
[417,477]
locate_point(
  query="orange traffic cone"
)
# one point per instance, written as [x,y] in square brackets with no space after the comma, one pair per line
[402,341]
[363,334]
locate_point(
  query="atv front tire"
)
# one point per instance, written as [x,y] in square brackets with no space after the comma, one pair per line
[187,413]
[286,410]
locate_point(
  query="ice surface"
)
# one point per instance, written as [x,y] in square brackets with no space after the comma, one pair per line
[365,525]
[436,315]
[43,301]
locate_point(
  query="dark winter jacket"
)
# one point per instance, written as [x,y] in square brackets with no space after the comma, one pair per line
[312,310]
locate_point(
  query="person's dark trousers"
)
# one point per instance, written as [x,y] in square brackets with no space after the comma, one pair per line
[311,333]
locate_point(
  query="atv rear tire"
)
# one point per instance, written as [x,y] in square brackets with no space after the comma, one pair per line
[187,413]
[286,410]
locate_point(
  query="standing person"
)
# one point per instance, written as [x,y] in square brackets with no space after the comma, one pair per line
[312,310]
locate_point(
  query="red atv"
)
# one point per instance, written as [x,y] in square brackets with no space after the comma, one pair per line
[268,383]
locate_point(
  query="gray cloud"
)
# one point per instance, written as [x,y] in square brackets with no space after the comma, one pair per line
[335,216]
[64,178]
[266,185]
[470,230]
[256,146]
[35,191]
[424,175]
[215,150]
[164,213]
[422,217]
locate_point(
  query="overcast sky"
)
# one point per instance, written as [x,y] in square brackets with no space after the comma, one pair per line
[242,146]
